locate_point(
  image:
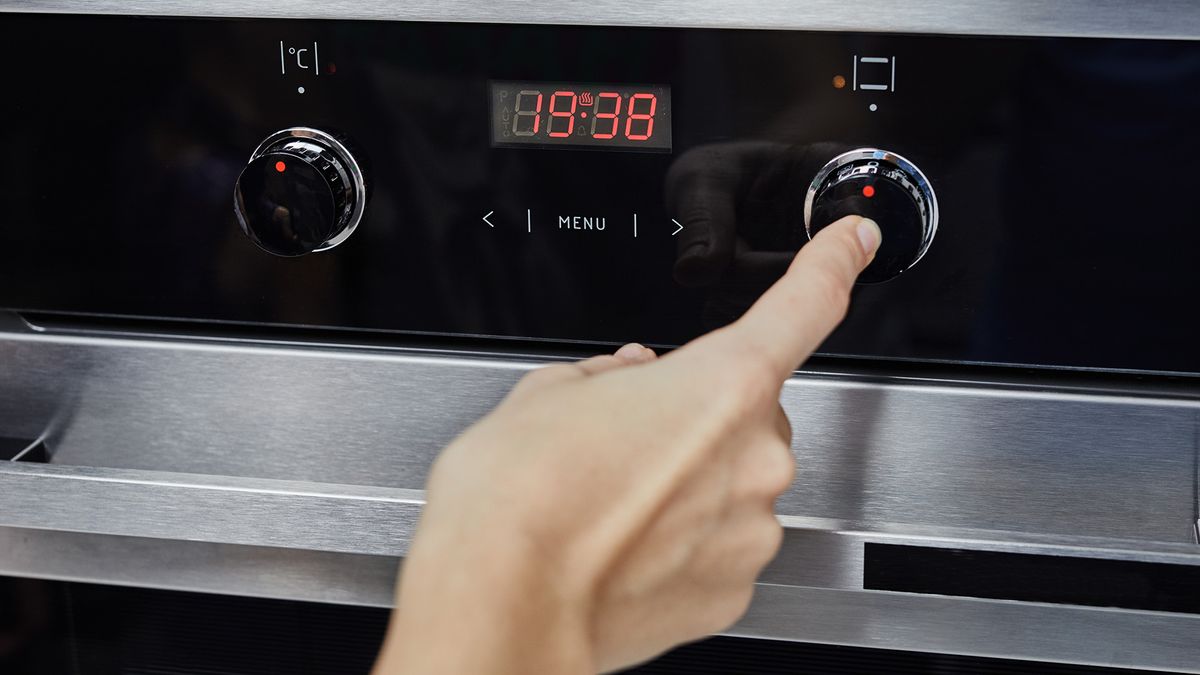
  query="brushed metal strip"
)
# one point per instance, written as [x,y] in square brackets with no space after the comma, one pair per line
[946,456]
[1169,19]
[201,567]
[381,521]
[830,558]
[224,510]
[987,628]
[832,615]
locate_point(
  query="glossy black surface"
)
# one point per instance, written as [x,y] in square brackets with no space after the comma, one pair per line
[1064,580]
[1067,235]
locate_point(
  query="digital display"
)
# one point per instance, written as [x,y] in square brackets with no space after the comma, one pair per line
[618,116]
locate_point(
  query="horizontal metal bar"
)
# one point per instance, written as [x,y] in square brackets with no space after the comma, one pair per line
[836,614]
[987,628]
[381,521]
[196,566]
[1016,459]
[1171,19]
[214,509]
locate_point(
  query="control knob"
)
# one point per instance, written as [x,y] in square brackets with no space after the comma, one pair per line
[303,191]
[886,188]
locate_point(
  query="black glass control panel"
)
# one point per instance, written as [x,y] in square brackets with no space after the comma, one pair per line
[1036,194]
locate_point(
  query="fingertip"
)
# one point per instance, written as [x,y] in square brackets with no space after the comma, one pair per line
[869,236]
[857,236]
[630,352]
[635,353]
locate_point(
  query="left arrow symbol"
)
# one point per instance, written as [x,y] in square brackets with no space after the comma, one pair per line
[485,219]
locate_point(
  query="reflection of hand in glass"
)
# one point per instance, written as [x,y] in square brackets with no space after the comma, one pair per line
[741,205]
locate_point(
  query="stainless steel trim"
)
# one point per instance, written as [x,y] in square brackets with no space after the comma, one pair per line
[1047,633]
[1170,19]
[810,592]
[1015,459]
[367,520]
[216,509]
[180,565]
[912,170]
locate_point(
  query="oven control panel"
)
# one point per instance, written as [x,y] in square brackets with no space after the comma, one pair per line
[599,185]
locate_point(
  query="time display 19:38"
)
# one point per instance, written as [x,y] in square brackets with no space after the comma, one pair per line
[615,116]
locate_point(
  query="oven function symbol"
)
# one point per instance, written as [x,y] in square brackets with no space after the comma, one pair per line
[873,73]
[302,191]
[885,187]
[302,58]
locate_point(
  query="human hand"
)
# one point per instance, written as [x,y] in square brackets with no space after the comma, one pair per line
[610,509]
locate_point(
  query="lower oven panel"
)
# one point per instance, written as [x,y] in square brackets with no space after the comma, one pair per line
[73,627]
[294,472]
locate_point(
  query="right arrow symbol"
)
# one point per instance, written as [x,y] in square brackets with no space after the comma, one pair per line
[678,227]
[485,219]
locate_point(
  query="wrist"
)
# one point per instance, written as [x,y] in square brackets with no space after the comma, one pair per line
[501,596]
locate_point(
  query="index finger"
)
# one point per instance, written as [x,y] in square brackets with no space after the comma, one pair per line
[803,307]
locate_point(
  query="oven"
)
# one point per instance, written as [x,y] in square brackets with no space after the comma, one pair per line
[262,260]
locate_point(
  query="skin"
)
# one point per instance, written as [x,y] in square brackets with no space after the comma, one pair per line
[610,509]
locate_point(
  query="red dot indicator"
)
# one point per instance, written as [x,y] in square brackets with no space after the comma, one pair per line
[280,167]
[583,114]
[868,190]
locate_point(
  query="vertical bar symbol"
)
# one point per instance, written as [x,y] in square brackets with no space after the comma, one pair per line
[282,62]
[635,226]
[316,59]
[893,73]
[853,88]
[529,220]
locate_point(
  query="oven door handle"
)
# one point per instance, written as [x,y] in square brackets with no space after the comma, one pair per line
[204,508]
[381,521]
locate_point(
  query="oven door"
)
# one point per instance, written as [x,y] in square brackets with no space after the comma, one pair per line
[946,519]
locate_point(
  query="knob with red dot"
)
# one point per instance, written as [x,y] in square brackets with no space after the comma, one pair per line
[302,191]
[886,188]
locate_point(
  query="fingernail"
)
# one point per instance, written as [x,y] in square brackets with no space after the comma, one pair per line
[630,352]
[869,236]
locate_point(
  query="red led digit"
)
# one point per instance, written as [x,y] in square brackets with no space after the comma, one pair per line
[647,117]
[559,114]
[536,113]
[599,115]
